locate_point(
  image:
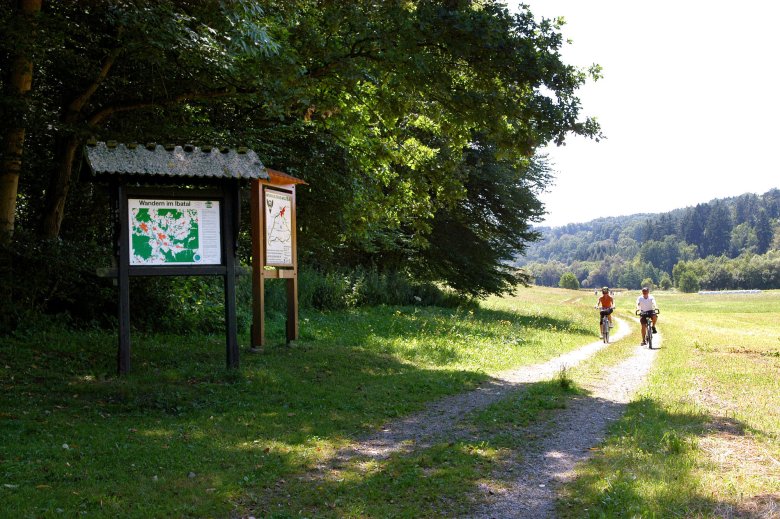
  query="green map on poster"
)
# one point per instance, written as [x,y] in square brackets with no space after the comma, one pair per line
[162,235]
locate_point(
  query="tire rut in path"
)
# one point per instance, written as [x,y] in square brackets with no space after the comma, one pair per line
[526,488]
[422,429]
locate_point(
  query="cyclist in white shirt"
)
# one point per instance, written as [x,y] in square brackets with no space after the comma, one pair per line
[646,303]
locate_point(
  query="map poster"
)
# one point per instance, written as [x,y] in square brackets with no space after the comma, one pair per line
[278,228]
[174,232]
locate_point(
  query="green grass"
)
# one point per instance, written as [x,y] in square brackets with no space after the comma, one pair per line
[181,436]
[703,438]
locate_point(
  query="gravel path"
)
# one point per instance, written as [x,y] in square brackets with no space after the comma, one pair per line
[524,486]
[423,429]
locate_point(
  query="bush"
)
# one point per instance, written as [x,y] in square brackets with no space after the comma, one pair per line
[688,282]
[569,280]
[57,280]
[52,277]
[367,287]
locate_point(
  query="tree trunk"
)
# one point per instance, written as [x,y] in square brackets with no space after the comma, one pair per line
[20,82]
[57,193]
[10,167]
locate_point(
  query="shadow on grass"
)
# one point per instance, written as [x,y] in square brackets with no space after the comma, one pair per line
[181,436]
[446,478]
[388,327]
[649,467]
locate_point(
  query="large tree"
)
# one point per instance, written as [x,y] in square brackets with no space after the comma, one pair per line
[717,231]
[16,85]
[380,105]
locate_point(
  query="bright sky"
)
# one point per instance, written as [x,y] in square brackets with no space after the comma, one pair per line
[688,103]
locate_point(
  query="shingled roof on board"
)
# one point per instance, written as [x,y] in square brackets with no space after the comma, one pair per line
[280,177]
[174,161]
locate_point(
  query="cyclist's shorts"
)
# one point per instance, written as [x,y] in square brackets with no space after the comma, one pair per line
[645,316]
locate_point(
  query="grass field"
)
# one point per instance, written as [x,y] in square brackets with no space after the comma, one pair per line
[703,438]
[182,437]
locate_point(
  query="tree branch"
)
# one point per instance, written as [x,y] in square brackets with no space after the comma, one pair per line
[104,113]
[78,104]
[357,50]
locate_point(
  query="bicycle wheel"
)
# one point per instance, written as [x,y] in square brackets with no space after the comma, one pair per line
[605,329]
[649,333]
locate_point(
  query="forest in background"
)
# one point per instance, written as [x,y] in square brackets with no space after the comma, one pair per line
[729,243]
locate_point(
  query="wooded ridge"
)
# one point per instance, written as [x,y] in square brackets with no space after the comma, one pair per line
[722,244]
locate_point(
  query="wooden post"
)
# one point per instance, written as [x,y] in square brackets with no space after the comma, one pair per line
[292,309]
[258,280]
[123,271]
[292,284]
[229,243]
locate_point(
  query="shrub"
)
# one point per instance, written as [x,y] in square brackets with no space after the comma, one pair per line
[57,279]
[54,277]
[569,280]
[688,282]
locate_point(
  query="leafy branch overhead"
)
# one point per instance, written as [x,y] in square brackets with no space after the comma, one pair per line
[378,105]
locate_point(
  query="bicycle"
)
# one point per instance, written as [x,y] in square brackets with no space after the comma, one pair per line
[604,324]
[648,318]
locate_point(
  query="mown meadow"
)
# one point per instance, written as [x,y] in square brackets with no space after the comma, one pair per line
[702,439]
[182,437]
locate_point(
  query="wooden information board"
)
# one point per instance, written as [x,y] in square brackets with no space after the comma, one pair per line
[274,252]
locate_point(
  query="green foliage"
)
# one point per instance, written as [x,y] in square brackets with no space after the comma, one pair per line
[411,121]
[688,282]
[622,251]
[59,278]
[630,277]
[473,241]
[717,230]
[749,271]
[55,277]
[666,282]
[367,287]
[569,280]
[764,232]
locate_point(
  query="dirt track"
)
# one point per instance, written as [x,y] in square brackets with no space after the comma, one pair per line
[525,485]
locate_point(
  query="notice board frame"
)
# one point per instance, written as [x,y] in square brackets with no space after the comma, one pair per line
[227,194]
[261,270]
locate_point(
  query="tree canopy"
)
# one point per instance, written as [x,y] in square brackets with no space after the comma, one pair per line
[415,123]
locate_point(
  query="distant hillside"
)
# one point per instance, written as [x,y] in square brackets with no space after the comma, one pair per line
[627,250]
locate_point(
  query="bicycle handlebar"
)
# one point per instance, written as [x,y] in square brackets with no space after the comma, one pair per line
[654,311]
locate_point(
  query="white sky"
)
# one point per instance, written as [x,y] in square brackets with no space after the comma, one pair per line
[690,101]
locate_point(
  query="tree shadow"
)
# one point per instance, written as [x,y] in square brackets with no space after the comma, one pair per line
[650,466]
[182,436]
[383,327]
[444,478]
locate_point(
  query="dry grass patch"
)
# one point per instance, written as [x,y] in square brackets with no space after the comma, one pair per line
[764,506]
[704,396]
